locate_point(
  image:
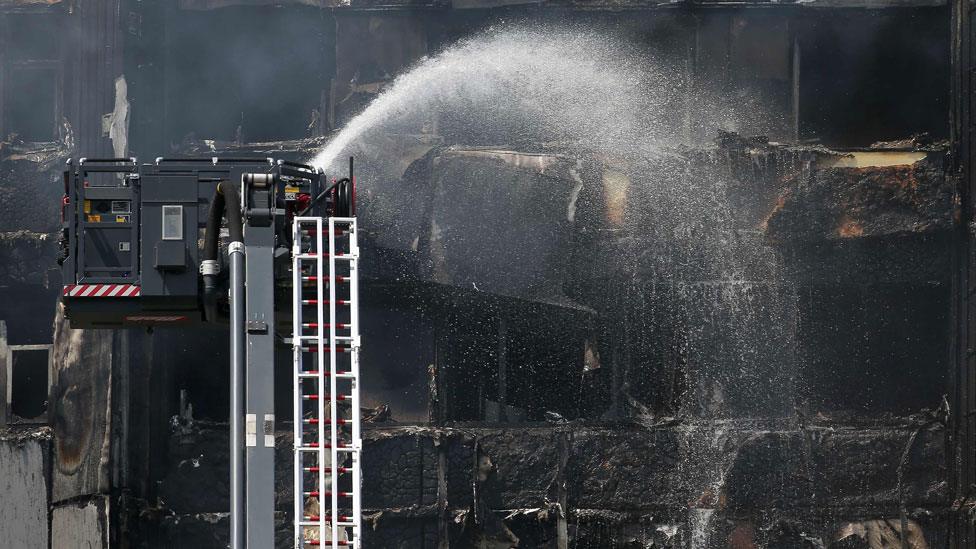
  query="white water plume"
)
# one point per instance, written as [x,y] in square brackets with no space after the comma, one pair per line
[517,86]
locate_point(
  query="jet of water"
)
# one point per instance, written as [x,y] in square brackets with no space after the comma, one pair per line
[520,86]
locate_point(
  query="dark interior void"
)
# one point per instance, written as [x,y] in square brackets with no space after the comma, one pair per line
[744,68]
[30,84]
[642,335]
[399,348]
[195,360]
[29,323]
[32,36]
[847,81]
[874,348]
[873,76]
[248,74]
[511,361]
[29,386]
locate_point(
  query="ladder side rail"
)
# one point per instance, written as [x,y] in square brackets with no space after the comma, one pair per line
[297,415]
[354,371]
[320,360]
[333,397]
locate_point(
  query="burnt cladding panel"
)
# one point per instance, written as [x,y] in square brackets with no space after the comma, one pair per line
[170,256]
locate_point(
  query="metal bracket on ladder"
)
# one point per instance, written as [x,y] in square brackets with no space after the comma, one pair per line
[325,342]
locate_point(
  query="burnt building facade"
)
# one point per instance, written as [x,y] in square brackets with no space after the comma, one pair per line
[779,358]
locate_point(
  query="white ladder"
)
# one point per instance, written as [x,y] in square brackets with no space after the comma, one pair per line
[328,446]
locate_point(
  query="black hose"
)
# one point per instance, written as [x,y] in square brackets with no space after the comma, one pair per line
[225,203]
[342,202]
[322,195]
[235,219]
[211,238]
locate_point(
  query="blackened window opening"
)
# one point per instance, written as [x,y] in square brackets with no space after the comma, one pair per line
[29,383]
[873,76]
[247,74]
[30,85]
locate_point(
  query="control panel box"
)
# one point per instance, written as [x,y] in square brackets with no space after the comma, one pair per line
[132,235]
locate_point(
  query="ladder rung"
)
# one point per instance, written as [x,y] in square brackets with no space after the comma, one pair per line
[315,373]
[341,470]
[316,337]
[325,302]
[328,493]
[319,543]
[347,257]
[311,374]
[316,518]
[315,421]
[327,447]
[325,222]
[345,349]
[340,523]
[341,398]
[325,278]
[338,232]
[342,446]
[316,325]
[344,520]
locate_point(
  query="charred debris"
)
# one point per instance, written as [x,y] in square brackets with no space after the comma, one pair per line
[799,380]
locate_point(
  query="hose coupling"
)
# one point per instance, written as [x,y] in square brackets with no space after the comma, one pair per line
[209,267]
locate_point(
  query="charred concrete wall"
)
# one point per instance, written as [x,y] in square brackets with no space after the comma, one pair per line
[25,470]
[604,486]
[963,426]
